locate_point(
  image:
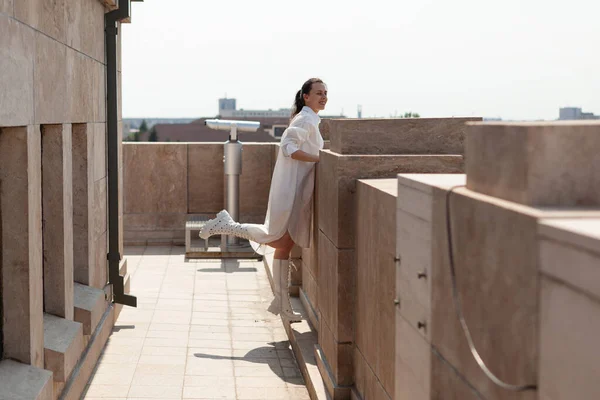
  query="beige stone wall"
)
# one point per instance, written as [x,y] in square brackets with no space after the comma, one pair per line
[375,286]
[366,149]
[523,272]
[53,219]
[178,179]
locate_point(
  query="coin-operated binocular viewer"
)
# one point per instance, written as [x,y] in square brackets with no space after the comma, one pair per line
[233,164]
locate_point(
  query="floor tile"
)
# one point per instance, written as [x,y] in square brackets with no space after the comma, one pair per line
[202,331]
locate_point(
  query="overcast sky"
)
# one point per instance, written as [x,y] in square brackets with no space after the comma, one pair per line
[515,59]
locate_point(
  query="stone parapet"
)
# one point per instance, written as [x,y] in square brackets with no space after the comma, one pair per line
[342,253]
[570,308]
[399,136]
[536,164]
[181,179]
[518,321]
[375,288]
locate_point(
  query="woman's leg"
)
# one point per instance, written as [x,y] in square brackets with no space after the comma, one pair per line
[281,270]
[283,247]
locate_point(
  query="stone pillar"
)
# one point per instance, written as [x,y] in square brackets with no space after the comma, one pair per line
[57,212]
[21,230]
[89,205]
[364,149]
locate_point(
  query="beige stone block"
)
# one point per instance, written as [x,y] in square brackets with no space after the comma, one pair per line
[17,60]
[399,136]
[48,17]
[22,381]
[81,375]
[497,280]
[63,345]
[255,181]
[325,128]
[99,96]
[573,243]
[7,7]
[99,160]
[57,211]
[414,269]
[159,169]
[205,169]
[375,389]
[90,304]
[538,164]
[21,241]
[99,272]
[83,83]
[415,191]
[413,362]
[51,77]
[310,256]
[337,288]
[375,278]
[99,211]
[447,384]
[310,287]
[569,353]
[89,203]
[334,390]
[85,27]
[338,175]
[338,355]
[155,221]
[361,369]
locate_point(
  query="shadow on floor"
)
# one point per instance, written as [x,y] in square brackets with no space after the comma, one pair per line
[229,267]
[266,355]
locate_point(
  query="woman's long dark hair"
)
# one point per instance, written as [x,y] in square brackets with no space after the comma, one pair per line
[299,100]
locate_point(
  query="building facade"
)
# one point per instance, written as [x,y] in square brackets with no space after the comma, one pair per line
[59,115]
[575,113]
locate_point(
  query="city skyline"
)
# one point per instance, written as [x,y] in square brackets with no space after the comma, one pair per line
[511,60]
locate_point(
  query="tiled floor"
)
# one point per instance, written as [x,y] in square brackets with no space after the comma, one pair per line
[201,331]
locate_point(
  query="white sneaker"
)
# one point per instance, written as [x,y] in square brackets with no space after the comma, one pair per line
[214,226]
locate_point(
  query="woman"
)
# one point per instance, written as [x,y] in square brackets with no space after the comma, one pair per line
[290,199]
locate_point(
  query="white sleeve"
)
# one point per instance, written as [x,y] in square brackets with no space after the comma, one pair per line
[294,137]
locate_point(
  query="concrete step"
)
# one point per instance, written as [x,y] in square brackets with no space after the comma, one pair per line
[24,382]
[303,340]
[63,345]
[90,305]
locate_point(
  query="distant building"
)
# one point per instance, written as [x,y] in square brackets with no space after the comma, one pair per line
[228,109]
[226,105]
[197,131]
[575,113]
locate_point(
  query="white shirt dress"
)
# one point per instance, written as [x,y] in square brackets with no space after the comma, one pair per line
[292,186]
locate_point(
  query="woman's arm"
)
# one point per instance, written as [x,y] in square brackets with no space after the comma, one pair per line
[304,156]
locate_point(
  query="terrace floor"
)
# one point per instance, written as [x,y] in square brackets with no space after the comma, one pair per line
[201,331]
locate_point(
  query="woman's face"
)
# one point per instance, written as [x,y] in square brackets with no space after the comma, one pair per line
[317,98]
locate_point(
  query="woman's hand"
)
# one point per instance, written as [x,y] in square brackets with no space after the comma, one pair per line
[304,156]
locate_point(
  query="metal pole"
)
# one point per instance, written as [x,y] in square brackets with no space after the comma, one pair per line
[233,202]
[233,170]
[113,256]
